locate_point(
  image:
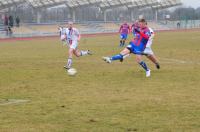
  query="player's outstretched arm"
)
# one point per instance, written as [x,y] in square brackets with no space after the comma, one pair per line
[142,33]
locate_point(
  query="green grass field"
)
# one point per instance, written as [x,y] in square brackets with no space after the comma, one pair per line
[102,97]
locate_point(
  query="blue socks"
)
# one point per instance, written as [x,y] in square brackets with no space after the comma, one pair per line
[143,64]
[120,57]
[117,57]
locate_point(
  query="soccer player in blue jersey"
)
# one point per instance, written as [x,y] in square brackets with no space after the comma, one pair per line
[124,31]
[136,46]
[148,50]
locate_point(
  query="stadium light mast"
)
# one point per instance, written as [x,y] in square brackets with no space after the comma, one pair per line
[73,14]
[39,16]
[156,15]
[105,15]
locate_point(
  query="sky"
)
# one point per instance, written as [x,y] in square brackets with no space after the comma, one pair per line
[192,3]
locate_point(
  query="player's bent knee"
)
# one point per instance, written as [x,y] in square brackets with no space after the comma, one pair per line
[125,51]
[77,53]
[148,55]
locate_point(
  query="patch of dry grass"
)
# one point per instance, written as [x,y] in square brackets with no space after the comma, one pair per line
[101,97]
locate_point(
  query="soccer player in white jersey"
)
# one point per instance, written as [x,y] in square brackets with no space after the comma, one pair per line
[60,30]
[62,34]
[72,36]
[149,52]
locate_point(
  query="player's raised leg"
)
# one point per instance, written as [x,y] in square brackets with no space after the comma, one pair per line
[117,57]
[79,53]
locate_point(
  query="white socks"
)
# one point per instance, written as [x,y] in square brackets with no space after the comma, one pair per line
[84,52]
[69,62]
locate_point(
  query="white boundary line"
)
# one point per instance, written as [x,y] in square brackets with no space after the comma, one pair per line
[177,61]
[12,101]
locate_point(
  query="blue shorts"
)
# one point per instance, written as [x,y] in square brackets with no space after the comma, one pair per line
[134,34]
[123,36]
[135,49]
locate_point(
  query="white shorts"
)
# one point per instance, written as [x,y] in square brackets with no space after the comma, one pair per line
[148,51]
[63,37]
[73,45]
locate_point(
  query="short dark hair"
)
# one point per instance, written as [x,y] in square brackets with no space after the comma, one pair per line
[142,20]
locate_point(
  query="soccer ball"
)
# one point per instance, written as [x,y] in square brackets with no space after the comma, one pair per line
[72,71]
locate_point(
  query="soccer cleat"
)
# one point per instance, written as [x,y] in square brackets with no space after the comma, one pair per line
[148,73]
[157,66]
[107,59]
[66,67]
[89,52]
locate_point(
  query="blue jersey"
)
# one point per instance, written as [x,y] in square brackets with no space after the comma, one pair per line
[138,44]
[124,28]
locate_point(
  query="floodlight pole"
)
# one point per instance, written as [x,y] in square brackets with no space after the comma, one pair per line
[39,16]
[104,14]
[73,14]
[156,15]
[131,10]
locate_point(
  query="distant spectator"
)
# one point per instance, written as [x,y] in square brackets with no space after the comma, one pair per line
[9,31]
[11,21]
[6,20]
[178,25]
[17,20]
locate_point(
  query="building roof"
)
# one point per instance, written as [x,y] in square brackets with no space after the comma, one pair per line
[104,4]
